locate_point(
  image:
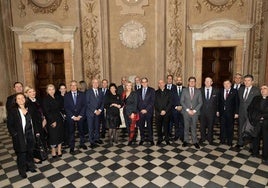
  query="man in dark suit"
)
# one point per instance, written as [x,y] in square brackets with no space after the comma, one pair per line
[137,83]
[94,107]
[177,110]
[163,105]
[170,86]
[246,95]
[227,111]
[104,89]
[191,101]
[237,81]
[74,105]
[208,110]
[121,88]
[146,97]
[18,88]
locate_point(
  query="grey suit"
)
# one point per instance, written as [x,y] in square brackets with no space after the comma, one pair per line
[243,107]
[190,104]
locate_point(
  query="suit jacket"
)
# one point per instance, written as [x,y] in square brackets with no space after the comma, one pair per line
[10,100]
[93,103]
[148,102]
[136,87]
[163,101]
[210,106]
[72,109]
[229,105]
[243,104]
[130,103]
[173,87]
[20,138]
[176,97]
[120,90]
[188,103]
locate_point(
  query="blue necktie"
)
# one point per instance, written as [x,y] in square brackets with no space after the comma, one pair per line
[74,98]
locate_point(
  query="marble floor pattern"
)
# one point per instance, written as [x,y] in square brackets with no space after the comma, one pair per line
[138,166]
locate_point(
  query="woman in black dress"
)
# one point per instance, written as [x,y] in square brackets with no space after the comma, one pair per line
[38,118]
[54,121]
[112,104]
[19,124]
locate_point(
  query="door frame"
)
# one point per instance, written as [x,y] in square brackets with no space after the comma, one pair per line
[28,64]
[238,55]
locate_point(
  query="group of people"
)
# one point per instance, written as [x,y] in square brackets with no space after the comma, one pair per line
[103,108]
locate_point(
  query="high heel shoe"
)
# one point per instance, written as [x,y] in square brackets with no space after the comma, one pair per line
[54,156]
[60,155]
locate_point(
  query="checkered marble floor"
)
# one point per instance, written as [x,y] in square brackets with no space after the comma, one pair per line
[138,166]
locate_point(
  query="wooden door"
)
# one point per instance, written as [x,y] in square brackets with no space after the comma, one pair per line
[48,69]
[217,63]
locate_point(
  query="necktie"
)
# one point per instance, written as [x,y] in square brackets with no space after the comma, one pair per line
[236,87]
[143,93]
[96,93]
[207,94]
[226,94]
[74,97]
[246,94]
[192,93]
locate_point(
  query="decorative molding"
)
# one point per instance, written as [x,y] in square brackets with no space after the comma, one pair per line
[175,43]
[132,34]
[220,29]
[132,6]
[44,6]
[218,5]
[43,31]
[258,39]
[90,35]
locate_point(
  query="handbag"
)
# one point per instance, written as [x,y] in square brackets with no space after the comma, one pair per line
[249,131]
[39,151]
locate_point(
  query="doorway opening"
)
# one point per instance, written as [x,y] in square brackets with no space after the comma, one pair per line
[48,68]
[217,63]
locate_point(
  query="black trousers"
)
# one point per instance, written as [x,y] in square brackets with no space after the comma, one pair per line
[256,141]
[25,161]
[206,127]
[162,125]
[227,128]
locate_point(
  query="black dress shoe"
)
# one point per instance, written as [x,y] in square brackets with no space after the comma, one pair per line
[72,151]
[99,141]
[23,174]
[185,144]
[265,161]
[141,143]
[167,142]
[32,170]
[196,145]
[238,146]
[158,142]
[176,138]
[83,146]
[93,145]
[152,143]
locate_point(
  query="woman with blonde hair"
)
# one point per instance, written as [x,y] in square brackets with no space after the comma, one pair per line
[54,121]
[38,118]
[129,98]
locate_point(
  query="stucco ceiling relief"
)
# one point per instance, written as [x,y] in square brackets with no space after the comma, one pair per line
[132,6]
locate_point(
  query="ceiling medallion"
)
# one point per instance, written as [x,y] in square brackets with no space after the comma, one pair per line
[132,34]
[218,5]
[44,6]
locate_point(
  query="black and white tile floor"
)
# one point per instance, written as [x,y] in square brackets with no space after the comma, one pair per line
[138,166]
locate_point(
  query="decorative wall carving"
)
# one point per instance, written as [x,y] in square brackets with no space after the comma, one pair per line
[42,6]
[218,5]
[90,32]
[258,36]
[132,6]
[132,34]
[175,37]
